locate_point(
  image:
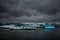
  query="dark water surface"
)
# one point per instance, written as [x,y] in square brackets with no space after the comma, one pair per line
[38,34]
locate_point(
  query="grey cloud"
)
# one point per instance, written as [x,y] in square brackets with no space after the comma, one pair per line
[29,10]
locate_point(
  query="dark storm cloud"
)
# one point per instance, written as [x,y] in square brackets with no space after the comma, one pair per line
[29,10]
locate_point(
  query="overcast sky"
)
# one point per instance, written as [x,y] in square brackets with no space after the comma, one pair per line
[29,11]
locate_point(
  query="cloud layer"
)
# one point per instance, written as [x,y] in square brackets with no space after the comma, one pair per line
[29,10]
